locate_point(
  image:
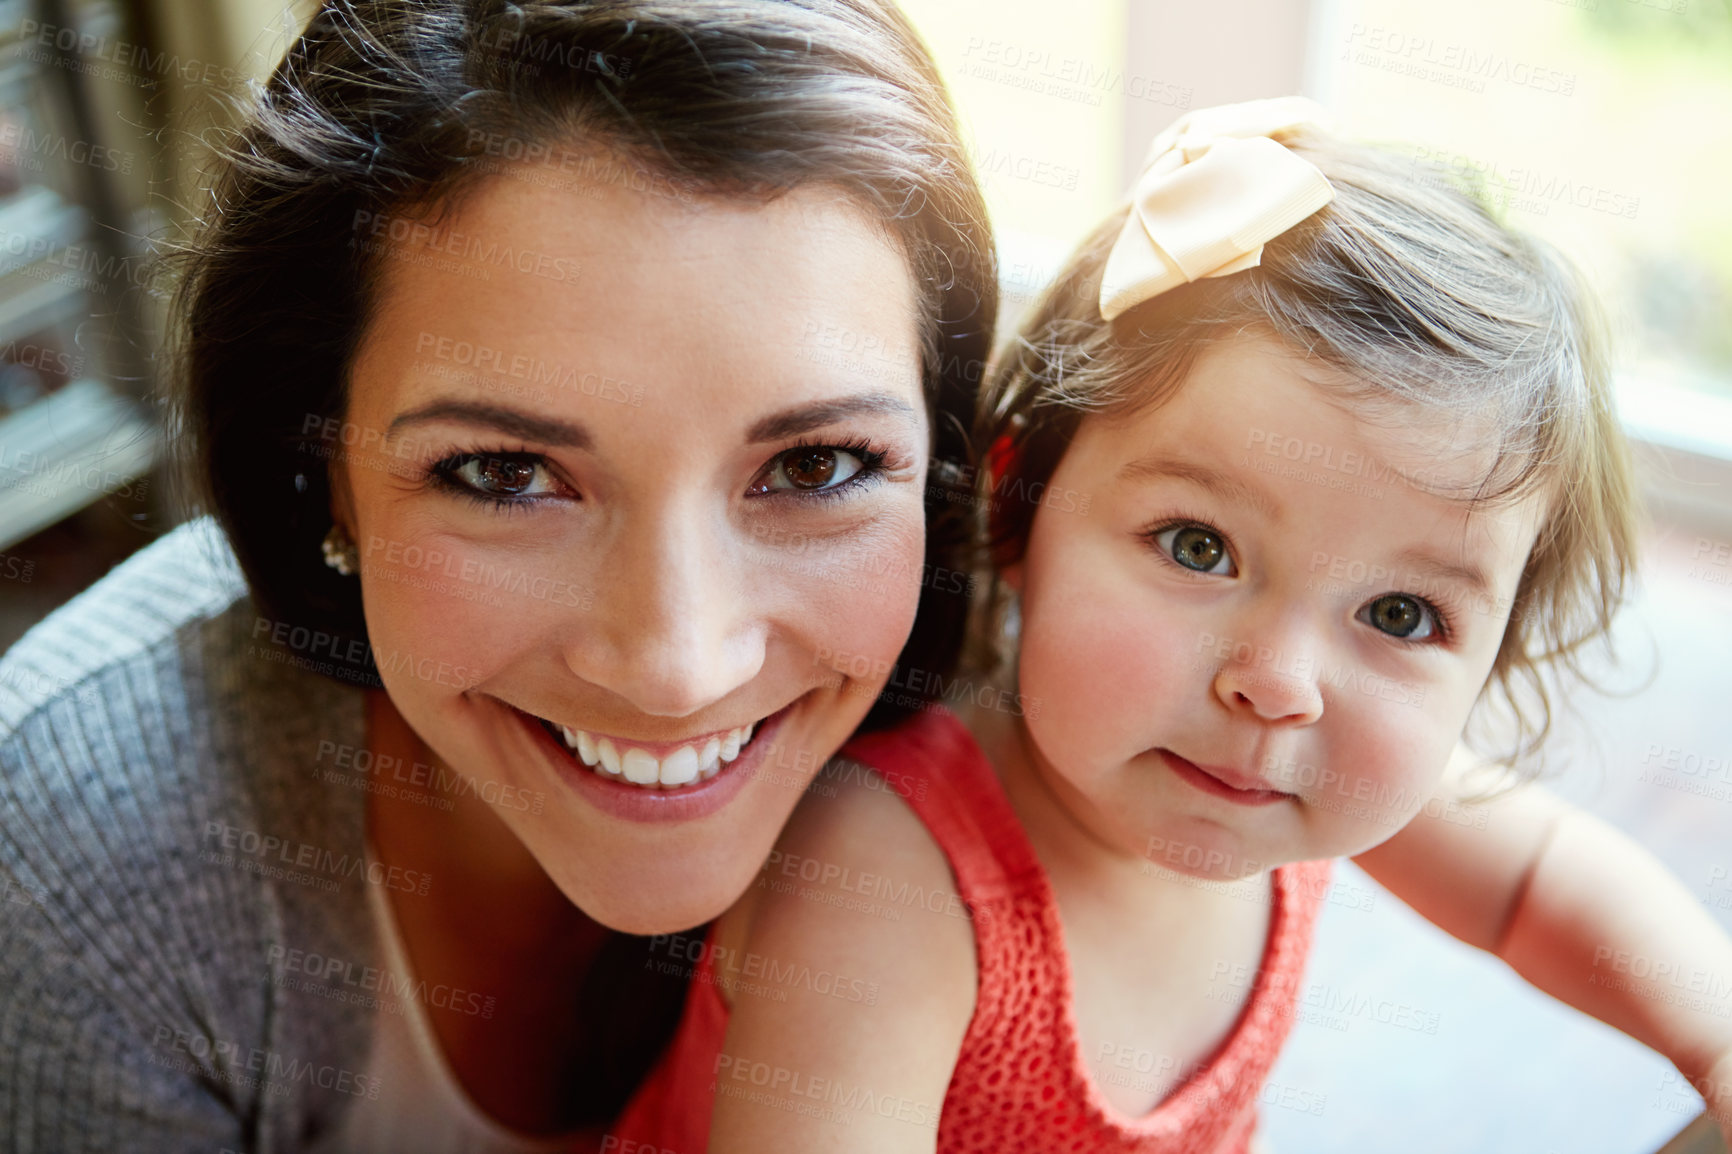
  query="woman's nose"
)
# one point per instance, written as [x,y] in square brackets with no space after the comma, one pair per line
[1272,673]
[672,628]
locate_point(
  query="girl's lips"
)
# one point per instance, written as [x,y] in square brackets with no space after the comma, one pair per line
[649,804]
[1211,784]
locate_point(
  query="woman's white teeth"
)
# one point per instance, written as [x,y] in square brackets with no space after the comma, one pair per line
[680,766]
[582,742]
[640,768]
[683,766]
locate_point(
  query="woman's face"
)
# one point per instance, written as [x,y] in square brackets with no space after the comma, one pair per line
[636,484]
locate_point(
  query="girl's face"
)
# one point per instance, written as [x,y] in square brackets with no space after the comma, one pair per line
[1260,644]
[636,487]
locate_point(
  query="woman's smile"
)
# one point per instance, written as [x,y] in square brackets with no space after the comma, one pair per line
[656,781]
[672,767]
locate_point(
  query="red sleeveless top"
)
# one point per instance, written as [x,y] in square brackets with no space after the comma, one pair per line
[1021,1081]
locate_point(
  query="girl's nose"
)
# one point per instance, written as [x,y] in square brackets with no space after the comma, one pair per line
[1273,679]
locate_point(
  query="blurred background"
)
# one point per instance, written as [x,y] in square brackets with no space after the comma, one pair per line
[1603,125]
[104,106]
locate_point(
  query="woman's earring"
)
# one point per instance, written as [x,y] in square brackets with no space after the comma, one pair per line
[340,553]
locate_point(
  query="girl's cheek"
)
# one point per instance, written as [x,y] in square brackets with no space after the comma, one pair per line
[1389,760]
[1098,663]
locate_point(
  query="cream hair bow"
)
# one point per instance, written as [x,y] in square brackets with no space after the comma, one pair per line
[1217,186]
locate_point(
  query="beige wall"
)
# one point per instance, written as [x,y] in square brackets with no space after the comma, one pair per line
[1062,100]
[1039,100]
[1217,53]
[247,37]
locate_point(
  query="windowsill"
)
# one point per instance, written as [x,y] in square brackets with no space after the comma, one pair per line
[1683,446]
[1675,417]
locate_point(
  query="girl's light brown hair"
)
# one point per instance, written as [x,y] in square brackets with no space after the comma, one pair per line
[1426,306]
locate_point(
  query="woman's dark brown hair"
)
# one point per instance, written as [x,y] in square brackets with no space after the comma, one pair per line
[390,107]
[387,109]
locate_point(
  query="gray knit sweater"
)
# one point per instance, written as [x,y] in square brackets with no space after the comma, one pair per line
[168,838]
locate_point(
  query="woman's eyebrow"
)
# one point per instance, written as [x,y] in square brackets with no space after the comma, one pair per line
[804,418]
[513,422]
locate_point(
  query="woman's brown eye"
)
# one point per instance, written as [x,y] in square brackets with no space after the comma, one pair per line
[810,468]
[502,476]
[507,477]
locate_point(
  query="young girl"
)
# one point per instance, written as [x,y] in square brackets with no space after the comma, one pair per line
[1299,460]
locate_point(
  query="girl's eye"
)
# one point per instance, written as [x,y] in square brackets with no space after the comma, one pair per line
[503,477]
[810,468]
[1400,615]
[1197,548]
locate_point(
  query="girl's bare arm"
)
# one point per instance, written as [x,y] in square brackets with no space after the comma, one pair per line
[1582,912]
[865,984]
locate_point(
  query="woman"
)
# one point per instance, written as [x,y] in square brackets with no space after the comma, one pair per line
[563,378]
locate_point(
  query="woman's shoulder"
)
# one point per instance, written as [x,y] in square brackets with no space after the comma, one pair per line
[186,577]
[165,646]
[151,685]
[144,706]
[165,836]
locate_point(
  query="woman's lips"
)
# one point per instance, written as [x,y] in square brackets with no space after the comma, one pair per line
[1221,782]
[659,802]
